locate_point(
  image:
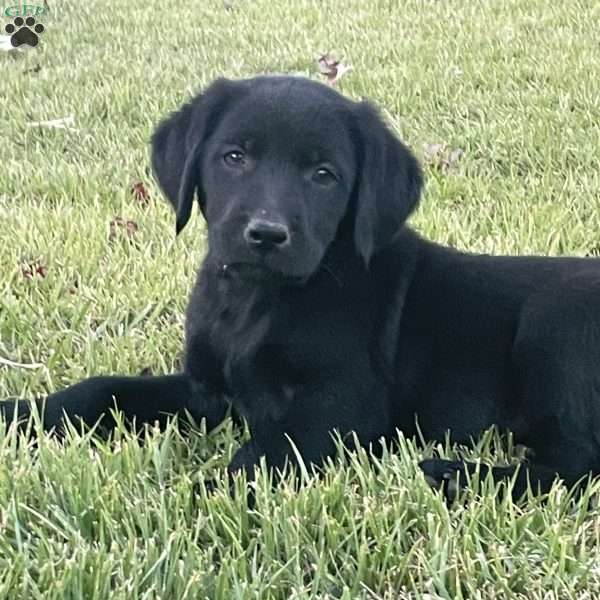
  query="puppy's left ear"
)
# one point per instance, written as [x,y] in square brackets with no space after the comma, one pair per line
[389,184]
[178,142]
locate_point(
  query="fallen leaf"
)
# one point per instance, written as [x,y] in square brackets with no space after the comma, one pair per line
[140,193]
[129,228]
[332,68]
[440,157]
[33,268]
[64,123]
[431,152]
[454,157]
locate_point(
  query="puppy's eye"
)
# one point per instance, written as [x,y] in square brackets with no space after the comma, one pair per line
[324,176]
[235,158]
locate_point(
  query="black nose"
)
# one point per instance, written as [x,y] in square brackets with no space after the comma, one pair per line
[265,235]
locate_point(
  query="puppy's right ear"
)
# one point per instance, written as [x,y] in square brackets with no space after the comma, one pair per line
[178,142]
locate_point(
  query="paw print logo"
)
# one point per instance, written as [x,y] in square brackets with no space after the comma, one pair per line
[24,31]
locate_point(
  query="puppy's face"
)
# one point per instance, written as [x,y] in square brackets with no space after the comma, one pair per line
[277,176]
[282,167]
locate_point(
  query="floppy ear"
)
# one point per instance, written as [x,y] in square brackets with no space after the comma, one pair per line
[178,142]
[388,187]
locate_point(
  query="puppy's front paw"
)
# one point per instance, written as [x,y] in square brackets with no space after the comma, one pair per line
[446,475]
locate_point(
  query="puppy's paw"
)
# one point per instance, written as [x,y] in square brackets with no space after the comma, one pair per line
[449,476]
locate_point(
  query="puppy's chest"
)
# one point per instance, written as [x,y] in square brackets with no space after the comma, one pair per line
[269,348]
[251,333]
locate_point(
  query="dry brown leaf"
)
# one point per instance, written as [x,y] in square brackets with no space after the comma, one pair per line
[440,157]
[332,68]
[140,193]
[33,268]
[121,226]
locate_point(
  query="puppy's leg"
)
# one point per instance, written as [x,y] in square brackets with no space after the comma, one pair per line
[140,399]
[351,405]
[556,358]
[556,355]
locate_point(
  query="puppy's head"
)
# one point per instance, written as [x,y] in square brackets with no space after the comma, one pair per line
[282,168]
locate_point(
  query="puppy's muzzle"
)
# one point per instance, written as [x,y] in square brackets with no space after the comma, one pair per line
[265,235]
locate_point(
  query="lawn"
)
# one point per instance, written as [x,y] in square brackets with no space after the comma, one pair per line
[498,98]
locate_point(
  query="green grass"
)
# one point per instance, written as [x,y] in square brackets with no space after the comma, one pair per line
[512,83]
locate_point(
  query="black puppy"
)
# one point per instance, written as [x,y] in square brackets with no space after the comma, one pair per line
[316,309]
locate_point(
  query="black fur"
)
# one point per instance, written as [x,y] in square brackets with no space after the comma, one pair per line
[316,309]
